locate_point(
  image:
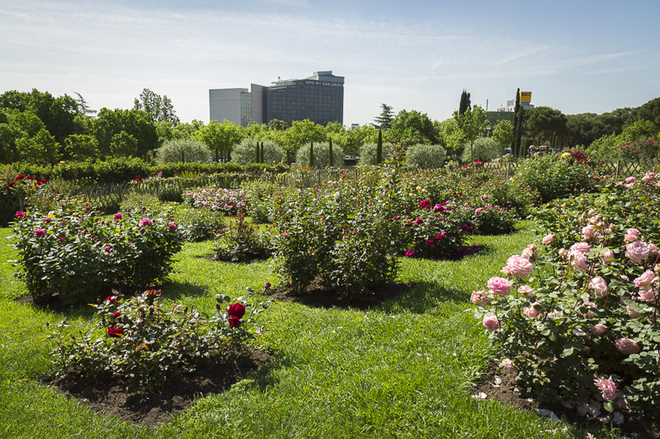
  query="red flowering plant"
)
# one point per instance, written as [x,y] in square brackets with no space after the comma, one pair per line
[13,194]
[150,344]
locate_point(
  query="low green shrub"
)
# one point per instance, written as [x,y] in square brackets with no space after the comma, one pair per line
[150,344]
[241,242]
[426,156]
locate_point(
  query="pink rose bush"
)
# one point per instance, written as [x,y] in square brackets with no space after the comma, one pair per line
[593,308]
[84,251]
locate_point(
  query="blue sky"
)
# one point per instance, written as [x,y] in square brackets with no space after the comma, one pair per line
[576,56]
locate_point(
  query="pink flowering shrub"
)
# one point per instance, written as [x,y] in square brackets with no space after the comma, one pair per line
[216,199]
[580,322]
[74,252]
[433,231]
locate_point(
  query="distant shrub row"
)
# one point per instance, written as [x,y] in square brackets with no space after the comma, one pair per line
[118,170]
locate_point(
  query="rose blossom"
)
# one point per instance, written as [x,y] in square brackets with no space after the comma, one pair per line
[631,312]
[145,222]
[647,295]
[562,252]
[637,251]
[598,329]
[20,214]
[631,235]
[646,279]
[547,239]
[530,253]
[588,232]
[115,332]
[626,346]
[578,261]
[653,249]
[589,314]
[507,363]
[118,216]
[599,286]
[583,247]
[39,233]
[237,310]
[607,387]
[499,286]
[532,312]
[234,322]
[410,253]
[491,323]
[607,256]
[526,291]
[480,298]
[171,227]
[518,266]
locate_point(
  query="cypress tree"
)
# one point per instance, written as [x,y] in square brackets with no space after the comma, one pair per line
[465,103]
[257,154]
[261,154]
[517,126]
[331,159]
[311,155]
[379,148]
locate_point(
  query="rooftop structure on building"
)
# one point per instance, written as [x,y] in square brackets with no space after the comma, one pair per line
[319,98]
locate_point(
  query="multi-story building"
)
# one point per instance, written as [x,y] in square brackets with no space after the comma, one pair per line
[232,104]
[319,98]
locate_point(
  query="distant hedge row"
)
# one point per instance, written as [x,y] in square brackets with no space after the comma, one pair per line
[118,170]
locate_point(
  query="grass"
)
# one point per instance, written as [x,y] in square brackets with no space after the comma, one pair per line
[403,369]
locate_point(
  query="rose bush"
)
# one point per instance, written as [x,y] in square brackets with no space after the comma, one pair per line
[151,344]
[580,323]
[74,252]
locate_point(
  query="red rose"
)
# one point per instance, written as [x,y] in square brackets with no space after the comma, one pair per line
[234,321]
[236,310]
[115,332]
[111,299]
[116,314]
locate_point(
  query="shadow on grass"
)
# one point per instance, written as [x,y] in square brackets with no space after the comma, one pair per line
[421,297]
[178,290]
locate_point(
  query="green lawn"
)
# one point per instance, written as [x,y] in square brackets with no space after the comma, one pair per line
[402,369]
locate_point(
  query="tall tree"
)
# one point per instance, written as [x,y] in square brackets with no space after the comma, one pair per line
[384,120]
[220,137]
[518,125]
[541,122]
[160,108]
[133,122]
[83,108]
[503,134]
[412,127]
[464,105]
[473,123]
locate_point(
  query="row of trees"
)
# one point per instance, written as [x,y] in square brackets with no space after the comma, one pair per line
[38,127]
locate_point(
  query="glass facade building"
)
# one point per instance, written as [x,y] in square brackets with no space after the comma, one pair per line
[319,98]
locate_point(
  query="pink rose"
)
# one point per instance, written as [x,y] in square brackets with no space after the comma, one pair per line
[653,249]
[631,235]
[588,232]
[171,227]
[562,252]
[410,253]
[637,251]
[145,222]
[480,298]
[646,279]
[479,210]
[607,387]
[599,286]
[626,346]
[526,291]
[578,261]
[547,239]
[608,256]
[530,253]
[39,233]
[582,247]
[518,266]
[20,214]
[589,314]
[532,312]
[118,216]
[598,329]
[491,323]
[499,286]
[647,295]
[507,363]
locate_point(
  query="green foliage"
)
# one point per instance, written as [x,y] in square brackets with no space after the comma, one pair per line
[229,201]
[258,195]
[347,239]
[369,153]
[412,127]
[82,147]
[220,137]
[244,152]
[74,252]
[555,177]
[110,124]
[320,155]
[160,109]
[384,121]
[503,134]
[151,344]
[484,149]
[433,231]
[302,132]
[425,156]
[242,242]
[182,150]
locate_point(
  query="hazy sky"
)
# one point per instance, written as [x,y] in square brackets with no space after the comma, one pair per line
[576,56]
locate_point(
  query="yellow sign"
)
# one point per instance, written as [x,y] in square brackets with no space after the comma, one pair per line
[525,97]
